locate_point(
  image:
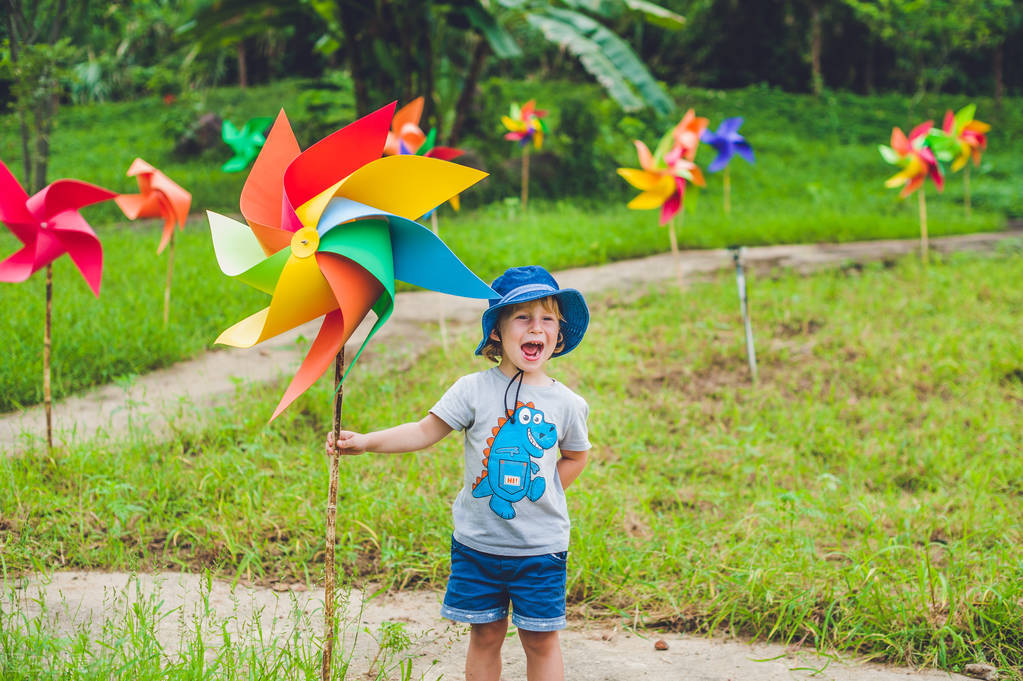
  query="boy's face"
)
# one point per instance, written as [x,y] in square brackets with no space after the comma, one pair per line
[528,335]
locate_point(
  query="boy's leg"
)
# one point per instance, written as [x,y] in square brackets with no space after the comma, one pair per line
[543,655]
[483,661]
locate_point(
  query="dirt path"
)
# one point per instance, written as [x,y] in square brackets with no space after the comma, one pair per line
[613,652]
[180,392]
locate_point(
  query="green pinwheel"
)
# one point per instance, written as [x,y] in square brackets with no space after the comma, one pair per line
[245,143]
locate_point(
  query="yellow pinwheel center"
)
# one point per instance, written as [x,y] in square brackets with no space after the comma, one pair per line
[305,242]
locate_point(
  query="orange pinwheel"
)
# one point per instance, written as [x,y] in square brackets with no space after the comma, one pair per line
[970,135]
[158,197]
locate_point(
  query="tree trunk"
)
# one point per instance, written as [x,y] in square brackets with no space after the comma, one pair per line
[868,68]
[353,55]
[817,80]
[479,57]
[998,74]
[243,70]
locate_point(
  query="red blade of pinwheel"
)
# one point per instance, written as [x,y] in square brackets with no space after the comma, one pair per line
[19,266]
[920,130]
[527,109]
[444,153]
[82,247]
[263,193]
[66,195]
[671,207]
[356,291]
[13,210]
[335,157]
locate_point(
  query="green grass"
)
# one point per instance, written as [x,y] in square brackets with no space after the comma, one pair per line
[818,178]
[864,496]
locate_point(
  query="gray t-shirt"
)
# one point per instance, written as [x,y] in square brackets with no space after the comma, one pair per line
[512,502]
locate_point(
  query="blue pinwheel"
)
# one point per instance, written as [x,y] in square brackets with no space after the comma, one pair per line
[728,142]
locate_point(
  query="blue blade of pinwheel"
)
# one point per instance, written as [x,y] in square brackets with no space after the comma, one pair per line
[420,257]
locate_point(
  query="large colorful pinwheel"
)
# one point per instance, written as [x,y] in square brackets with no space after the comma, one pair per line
[245,143]
[916,159]
[329,231]
[49,225]
[158,197]
[728,142]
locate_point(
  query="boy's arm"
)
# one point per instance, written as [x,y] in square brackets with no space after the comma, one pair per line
[570,465]
[408,437]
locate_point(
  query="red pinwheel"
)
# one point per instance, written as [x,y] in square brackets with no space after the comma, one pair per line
[49,225]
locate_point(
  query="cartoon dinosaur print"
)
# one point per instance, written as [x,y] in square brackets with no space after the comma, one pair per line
[508,472]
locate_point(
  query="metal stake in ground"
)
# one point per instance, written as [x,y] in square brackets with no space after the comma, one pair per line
[740,281]
[47,343]
[329,632]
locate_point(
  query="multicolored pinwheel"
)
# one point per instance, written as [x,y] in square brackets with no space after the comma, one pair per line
[663,184]
[918,162]
[245,143]
[158,197]
[916,159]
[49,225]
[525,124]
[969,135]
[329,231]
[728,142]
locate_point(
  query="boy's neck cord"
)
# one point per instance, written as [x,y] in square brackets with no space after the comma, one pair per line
[504,403]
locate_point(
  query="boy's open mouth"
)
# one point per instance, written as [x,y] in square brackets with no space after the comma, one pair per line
[532,350]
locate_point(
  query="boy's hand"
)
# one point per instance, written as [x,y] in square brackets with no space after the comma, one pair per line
[348,443]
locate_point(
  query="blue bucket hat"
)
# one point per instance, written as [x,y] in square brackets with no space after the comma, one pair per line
[532,282]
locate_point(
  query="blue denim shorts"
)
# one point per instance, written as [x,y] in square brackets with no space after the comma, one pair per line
[482,585]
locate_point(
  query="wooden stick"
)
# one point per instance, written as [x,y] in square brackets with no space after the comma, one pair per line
[443,325]
[525,175]
[966,188]
[328,586]
[47,344]
[923,227]
[674,246]
[167,289]
[728,192]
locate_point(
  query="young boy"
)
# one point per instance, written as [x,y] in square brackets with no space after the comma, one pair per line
[511,527]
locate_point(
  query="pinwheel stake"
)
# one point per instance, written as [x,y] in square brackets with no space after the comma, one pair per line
[525,125]
[674,246]
[158,196]
[329,633]
[728,142]
[49,225]
[917,159]
[740,281]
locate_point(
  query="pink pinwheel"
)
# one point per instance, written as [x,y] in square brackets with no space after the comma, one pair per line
[49,225]
[158,196]
[914,157]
